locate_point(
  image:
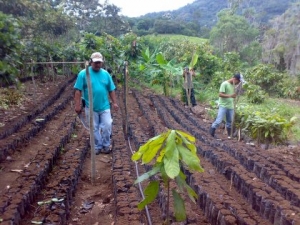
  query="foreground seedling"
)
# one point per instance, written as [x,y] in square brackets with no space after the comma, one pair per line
[169,153]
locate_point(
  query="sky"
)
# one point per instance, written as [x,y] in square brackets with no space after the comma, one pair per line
[135,8]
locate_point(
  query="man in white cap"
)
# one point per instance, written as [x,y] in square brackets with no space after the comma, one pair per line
[102,87]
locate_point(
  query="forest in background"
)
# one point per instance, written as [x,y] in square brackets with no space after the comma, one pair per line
[37,31]
[259,31]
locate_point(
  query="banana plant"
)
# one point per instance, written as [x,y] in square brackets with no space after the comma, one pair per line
[147,65]
[169,152]
[168,72]
[194,60]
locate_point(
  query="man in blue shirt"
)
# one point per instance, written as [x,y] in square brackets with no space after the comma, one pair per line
[102,87]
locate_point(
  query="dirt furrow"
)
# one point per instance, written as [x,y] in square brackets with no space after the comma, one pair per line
[34,124]
[126,194]
[24,176]
[262,167]
[210,176]
[194,216]
[54,201]
[38,103]
[287,211]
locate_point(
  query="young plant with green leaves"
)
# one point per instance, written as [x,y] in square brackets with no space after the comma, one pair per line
[167,73]
[169,153]
[267,127]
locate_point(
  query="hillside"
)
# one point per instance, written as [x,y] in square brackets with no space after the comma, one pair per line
[205,11]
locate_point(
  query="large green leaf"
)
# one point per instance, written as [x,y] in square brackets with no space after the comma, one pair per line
[190,159]
[159,139]
[188,144]
[150,173]
[161,59]
[170,144]
[194,60]
[171,164]
[150,192]
[187,136]
[179,207]
[191,193]
[153,147]
[180,180]
[146,55]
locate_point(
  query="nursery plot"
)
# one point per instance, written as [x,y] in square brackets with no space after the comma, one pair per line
[46,167]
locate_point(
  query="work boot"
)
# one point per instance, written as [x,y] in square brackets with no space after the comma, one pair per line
[229,133]
[212,131]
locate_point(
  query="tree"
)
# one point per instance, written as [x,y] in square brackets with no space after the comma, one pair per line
[10,47]
[281,43]
[145,24]
[95,17]
[232,33]
[167,27]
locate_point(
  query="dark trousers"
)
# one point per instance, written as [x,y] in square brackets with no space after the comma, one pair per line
[192,100]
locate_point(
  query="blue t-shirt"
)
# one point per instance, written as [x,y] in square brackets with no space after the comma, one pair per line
[102,84]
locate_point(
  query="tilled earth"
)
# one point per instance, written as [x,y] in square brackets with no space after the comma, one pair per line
[45,166]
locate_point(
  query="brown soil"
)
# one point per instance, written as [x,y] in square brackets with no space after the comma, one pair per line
[45,166]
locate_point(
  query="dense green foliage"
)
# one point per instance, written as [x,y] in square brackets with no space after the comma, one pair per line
[264,127]
[199,17]
[282,41]
[233,33]
[10,47]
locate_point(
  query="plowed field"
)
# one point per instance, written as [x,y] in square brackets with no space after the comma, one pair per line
[45,166]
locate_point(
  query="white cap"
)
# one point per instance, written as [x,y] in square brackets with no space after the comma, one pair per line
[97,57]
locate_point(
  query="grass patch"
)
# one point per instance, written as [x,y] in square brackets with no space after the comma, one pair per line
[167,37]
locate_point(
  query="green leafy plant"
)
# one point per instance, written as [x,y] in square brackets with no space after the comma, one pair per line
[10,48]
[254,93]
[265,76]
[169,153]
[264,126]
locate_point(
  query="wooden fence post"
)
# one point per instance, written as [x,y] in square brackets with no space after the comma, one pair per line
[91,119]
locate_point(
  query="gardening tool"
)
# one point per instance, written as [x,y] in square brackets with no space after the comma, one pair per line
[84,123]
[238,90]
[188,85]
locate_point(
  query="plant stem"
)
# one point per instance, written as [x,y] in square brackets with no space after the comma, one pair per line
[168,203]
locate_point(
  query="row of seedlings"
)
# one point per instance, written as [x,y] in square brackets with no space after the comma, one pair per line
[142,127]
[161,123]
[126,195]
[29,125]
[16,200]
[53,204]
[249,156]
[267,202]
[195,216]
[15,126]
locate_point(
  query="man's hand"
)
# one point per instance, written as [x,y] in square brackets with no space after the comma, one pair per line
[78,108]
[77,100]
[115,106]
